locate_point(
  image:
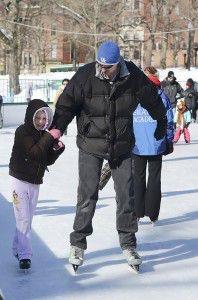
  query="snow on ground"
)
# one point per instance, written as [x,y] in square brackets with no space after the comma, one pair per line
[169,250]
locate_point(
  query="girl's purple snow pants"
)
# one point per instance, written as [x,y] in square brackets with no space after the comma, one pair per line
[25,197]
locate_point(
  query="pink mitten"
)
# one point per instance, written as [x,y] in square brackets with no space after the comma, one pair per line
[55,133]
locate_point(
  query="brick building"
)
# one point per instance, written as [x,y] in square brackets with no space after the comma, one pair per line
[137,20]
[53,49]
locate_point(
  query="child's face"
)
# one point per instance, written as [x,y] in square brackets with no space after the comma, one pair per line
[40,120]
[180,104]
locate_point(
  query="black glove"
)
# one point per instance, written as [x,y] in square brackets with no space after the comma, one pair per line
[169,148]
[160,130]
[58,145]
[187,124]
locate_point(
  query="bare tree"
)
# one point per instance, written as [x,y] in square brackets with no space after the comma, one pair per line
[187,19]
[96,19]
[15,32]
[152,13]
[192,23]
[162,19]
[169,22]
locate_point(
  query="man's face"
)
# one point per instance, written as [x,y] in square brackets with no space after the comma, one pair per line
[108,71]
[171,78]
[188,85]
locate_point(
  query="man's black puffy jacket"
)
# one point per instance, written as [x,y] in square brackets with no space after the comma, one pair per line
[104,110]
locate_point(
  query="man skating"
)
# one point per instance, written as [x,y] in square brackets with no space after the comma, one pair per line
[103,95]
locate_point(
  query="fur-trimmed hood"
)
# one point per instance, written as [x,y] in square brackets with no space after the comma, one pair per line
[34,106]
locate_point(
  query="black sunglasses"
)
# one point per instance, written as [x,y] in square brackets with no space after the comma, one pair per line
[105,66]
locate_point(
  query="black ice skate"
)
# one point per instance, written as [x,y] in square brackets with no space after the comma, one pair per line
[154,222]
[133,258]
[24,264]
[76,257]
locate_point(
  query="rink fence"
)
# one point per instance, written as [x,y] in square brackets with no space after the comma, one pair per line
[13,108]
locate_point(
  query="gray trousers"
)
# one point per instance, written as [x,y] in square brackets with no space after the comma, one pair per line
[89,176]
[1,119]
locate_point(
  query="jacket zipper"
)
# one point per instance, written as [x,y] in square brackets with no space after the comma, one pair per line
[37,173]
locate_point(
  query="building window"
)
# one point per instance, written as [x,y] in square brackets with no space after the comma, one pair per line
[54,51]
[126,55]
[136,54]
[177,12]
[138,35]
[53,28]
[184,46]
[35,2]
[136,4]
[73,52]
[25,60]
[129,5]
[172,46]
[126,36]
[30,60]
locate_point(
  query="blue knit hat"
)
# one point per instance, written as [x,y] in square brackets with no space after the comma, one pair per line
[108,53]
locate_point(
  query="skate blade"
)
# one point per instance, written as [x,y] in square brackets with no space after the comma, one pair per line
[75,267]
[154,224]
[24,271]
[16,256]
[136,268]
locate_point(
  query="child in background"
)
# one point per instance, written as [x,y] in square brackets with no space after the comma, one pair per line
[33,150]
[191,98]
[182,120]
[60,90]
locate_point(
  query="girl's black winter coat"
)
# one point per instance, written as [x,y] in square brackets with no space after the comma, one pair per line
[32,150]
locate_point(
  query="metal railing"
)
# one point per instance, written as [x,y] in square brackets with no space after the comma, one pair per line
[44,89]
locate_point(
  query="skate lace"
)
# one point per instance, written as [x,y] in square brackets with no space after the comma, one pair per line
[133,253]
[78,253]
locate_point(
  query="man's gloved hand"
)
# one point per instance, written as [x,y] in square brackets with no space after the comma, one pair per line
[160,130]
[55,133]
[169,148]
[58,145]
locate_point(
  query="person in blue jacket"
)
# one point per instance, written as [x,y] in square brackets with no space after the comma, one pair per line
[149,151]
